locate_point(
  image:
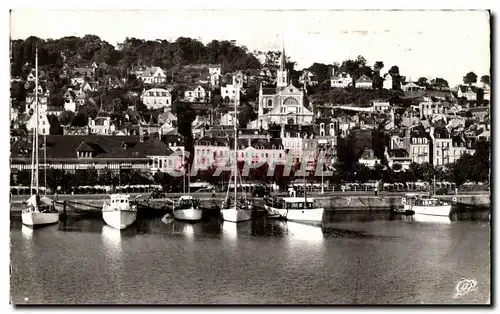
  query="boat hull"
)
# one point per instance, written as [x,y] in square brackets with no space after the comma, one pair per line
[313,215]
[191,214]
[37,219]
[119,219]
[442,210]
[235,215]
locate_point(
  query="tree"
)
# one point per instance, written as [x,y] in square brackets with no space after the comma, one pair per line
[66,117]
[246,115]
[422,81]
[439,83]
[485,79]
[396,77]
[320,70]
[79,120]
[379,65]
[470,78]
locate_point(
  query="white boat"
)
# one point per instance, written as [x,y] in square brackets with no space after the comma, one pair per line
[299,209]
[187,208]
[421,204]
[39,211]
[236,210]
[118,212]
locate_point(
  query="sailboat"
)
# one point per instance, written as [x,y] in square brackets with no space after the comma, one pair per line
[236,210]
[187,207]
[39,211]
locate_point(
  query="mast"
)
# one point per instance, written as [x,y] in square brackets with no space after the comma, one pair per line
[45,163]
[36,121]
[235,142]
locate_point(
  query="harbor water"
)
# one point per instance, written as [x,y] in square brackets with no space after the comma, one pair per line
[353,258]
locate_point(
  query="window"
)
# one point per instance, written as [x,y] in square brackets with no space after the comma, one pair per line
[269,103]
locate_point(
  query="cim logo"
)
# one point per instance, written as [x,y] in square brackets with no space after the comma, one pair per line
[465,286]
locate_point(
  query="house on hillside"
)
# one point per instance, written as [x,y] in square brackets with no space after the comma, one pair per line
[411,87]
[308,78]
[197,93]
[101,126]
[364,82]
[153,75]
[341,80]
[155,98]
[469,92]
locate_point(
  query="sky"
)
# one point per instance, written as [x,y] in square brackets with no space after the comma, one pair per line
[445,44]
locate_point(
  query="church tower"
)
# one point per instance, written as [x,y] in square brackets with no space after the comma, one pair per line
[282,73]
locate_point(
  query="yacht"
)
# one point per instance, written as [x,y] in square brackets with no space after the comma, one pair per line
[423,204]
[237,209]
[118,212]
[298,209]
[39,210]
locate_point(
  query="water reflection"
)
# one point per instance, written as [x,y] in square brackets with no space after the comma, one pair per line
[431,219]
[184,228]
[27,232]
[112,239]
[230,231]
[304,232]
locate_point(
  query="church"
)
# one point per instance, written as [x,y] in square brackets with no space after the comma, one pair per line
[283,104]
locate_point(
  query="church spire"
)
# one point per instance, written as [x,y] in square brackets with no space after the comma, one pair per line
[283,59]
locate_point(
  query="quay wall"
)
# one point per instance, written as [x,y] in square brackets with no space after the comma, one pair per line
[329,202]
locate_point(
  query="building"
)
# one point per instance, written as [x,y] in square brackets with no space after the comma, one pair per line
[155,98]
[215,69]
[227,119]
[411,87]
[283,104]
[308,78]
[102,153]
[43,100]
[211,152]
[398,159]
[419,145]
[469,92]
[101,126]
[441,146]
[197,93]
[154,75]
[364,82]
[388,82]
[341,80]
[43,123]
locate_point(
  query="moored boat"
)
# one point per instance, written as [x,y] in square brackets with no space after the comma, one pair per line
[422,204]
[298,209]
[237,209]
[39,211]
[118,212]
[187,208]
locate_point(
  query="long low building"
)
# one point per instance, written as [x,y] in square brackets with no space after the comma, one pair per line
[98,152]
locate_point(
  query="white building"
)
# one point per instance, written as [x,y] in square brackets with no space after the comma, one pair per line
[199,93]
[43,124]
[341,80]
[155,98]
[364,82]
[154,75]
